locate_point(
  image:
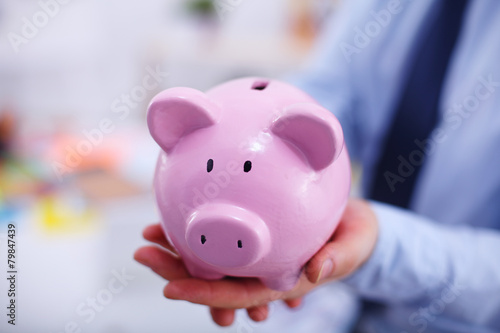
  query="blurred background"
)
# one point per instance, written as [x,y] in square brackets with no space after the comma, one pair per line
[76,159]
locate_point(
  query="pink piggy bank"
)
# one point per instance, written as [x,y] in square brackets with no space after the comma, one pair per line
[252,179]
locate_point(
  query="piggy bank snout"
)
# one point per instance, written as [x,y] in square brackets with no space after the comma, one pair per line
[227,236]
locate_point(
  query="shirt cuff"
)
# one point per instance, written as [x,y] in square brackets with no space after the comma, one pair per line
[368,276]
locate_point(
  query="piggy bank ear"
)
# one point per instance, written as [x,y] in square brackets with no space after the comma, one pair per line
[177,112]
[313,131]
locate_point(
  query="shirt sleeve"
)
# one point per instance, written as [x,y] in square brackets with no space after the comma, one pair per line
[327,76]
[417,260]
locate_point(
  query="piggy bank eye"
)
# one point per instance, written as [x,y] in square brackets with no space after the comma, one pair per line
[247,166]
[210,165]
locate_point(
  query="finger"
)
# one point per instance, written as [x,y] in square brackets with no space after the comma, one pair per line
[222,317]
[161,262]
[351,244]
[293,303]
[258,313]
[225,293]
[154,233]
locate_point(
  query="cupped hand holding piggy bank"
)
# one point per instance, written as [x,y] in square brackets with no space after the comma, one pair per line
[252,179]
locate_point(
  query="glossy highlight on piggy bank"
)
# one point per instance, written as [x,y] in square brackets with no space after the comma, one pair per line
[252,178]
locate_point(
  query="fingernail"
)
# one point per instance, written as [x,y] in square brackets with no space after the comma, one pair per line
[140,258]
[326,270]
[172,291]
[259,314]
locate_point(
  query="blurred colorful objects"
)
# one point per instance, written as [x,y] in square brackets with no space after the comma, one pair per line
[69,154]
[202,8]
[68,201]
[6,133]
[60,213]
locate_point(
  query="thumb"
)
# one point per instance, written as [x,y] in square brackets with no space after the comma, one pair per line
[350,246]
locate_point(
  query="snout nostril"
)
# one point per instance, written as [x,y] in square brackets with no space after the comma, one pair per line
[203,239]
[240,244]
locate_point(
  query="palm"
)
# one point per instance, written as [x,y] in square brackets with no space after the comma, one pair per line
[350,246]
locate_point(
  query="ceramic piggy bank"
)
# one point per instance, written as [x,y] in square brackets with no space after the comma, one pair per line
[252,178]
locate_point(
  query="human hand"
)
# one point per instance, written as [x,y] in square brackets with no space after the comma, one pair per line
[349,247]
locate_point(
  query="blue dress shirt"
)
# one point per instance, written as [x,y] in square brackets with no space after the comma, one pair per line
[436,267]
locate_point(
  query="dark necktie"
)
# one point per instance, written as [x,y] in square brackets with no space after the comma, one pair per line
[416,114]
